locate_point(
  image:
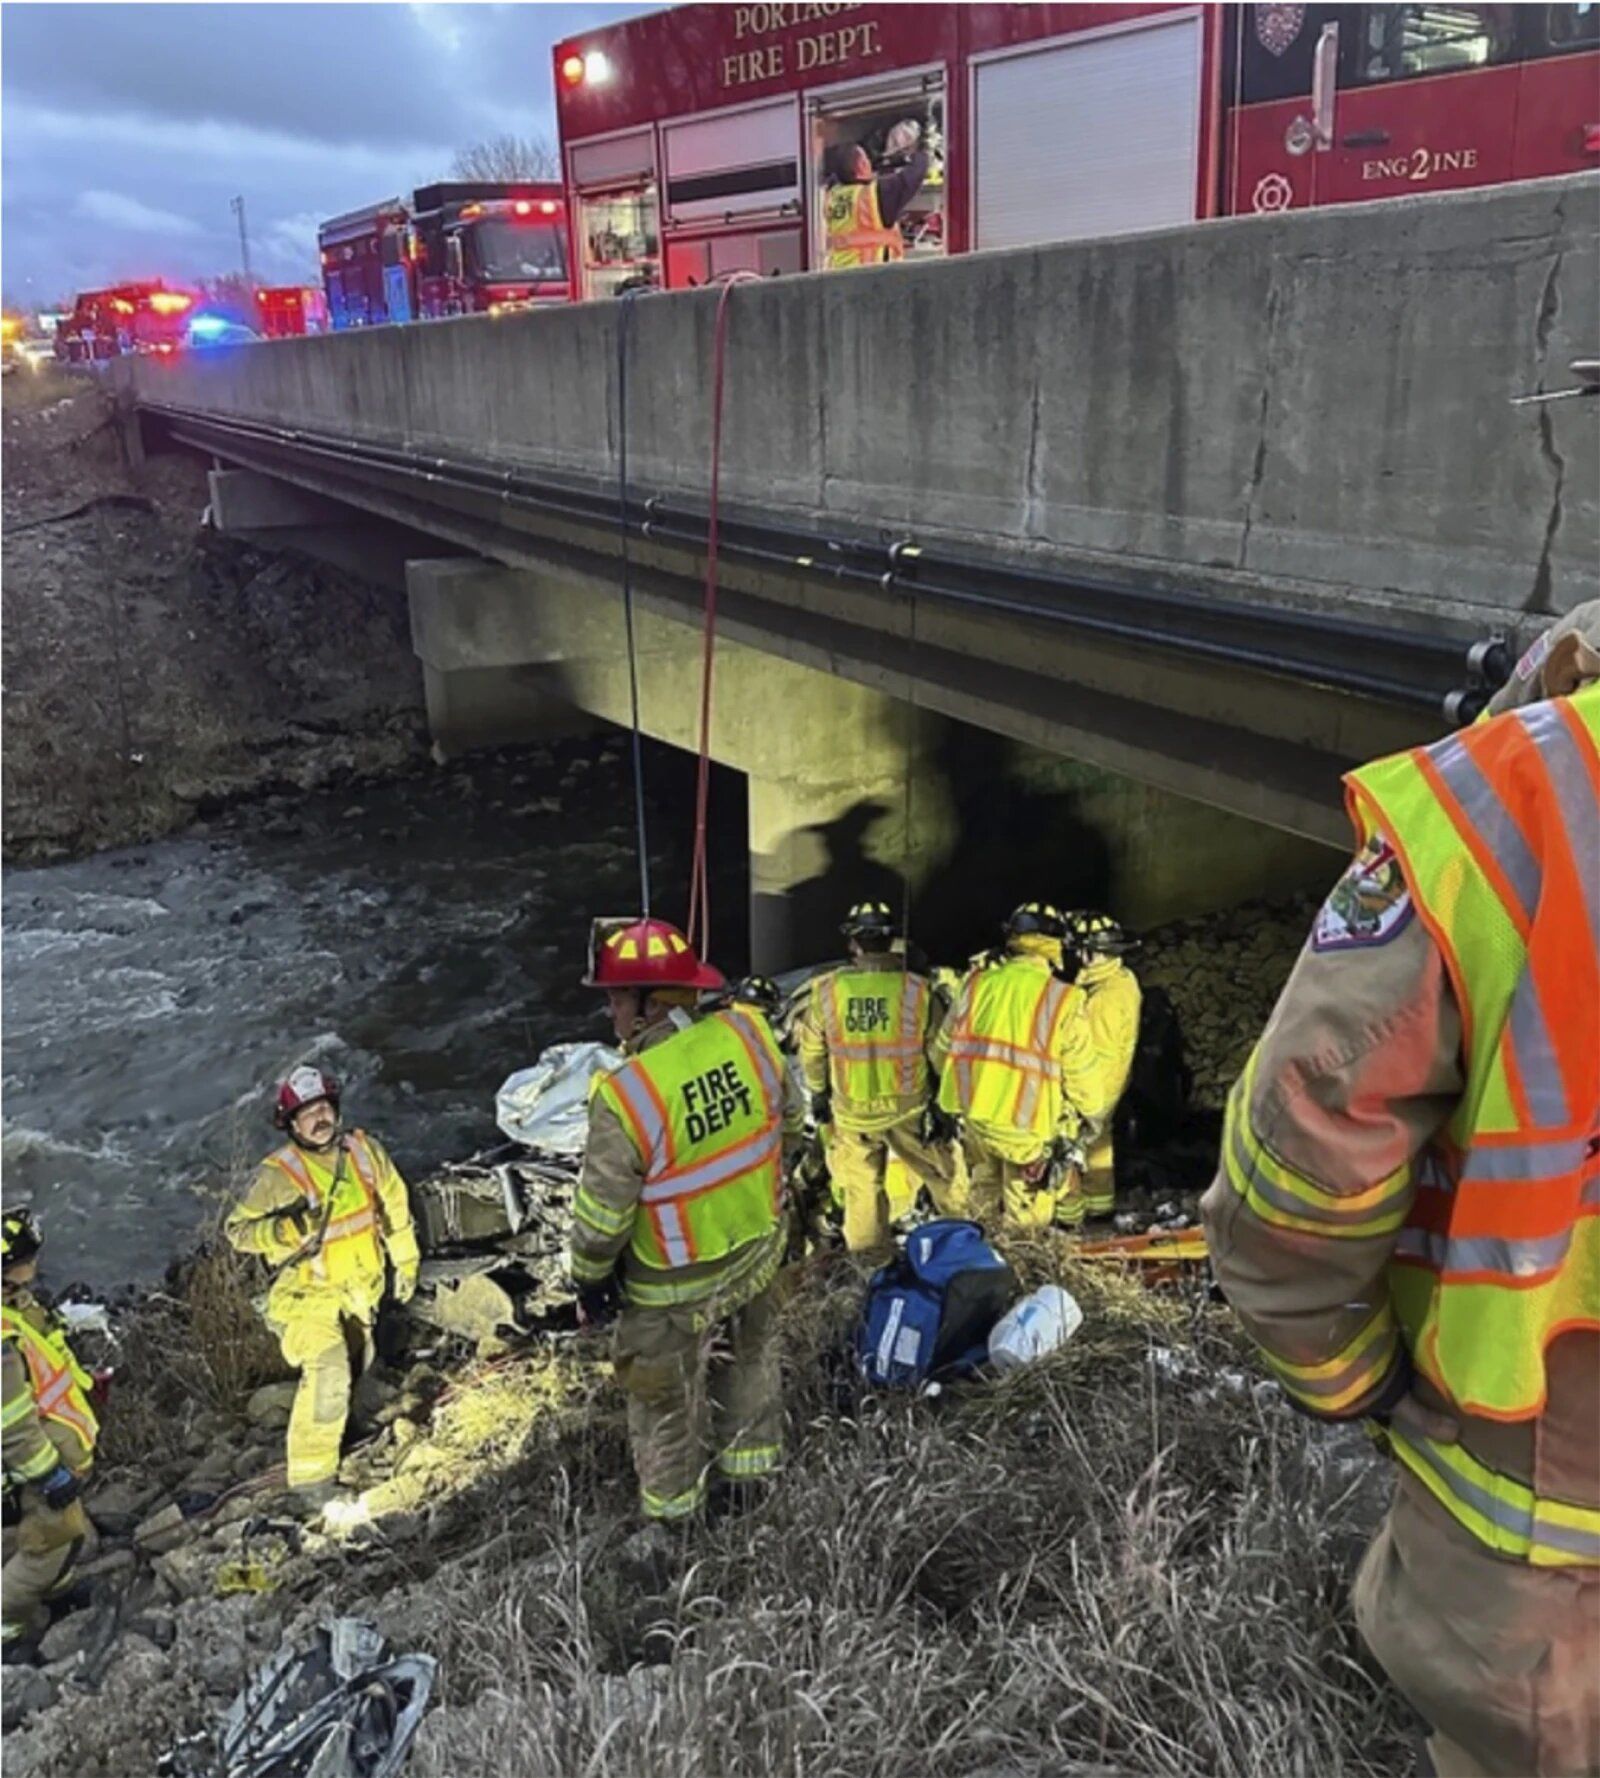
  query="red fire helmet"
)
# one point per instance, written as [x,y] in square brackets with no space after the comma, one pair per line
[304,1086]
[645,954]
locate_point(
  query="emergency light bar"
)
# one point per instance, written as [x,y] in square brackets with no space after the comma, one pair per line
[169,302]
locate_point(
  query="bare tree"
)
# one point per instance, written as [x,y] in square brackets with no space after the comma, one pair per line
[508,157]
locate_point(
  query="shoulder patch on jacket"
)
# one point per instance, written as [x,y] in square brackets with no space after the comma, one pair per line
[1370,903]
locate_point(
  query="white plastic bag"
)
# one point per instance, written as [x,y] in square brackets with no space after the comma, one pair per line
[1040,1323]
[547,1106]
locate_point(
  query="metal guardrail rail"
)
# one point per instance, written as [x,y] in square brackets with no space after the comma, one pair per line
[1445,676]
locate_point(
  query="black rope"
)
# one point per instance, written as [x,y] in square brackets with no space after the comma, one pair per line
[627,301]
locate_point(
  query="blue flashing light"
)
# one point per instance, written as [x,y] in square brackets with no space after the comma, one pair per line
[208,327]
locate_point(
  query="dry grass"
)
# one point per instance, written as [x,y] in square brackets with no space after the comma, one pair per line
[198,1345]
[1109,1563]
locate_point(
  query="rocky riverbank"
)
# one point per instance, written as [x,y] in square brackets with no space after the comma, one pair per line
[155,670]
[1129,1559]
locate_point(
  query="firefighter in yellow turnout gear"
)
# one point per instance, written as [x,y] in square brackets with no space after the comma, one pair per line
[1017,1064]
[49,1436]
[864,1045]
[326,1211]
[679,1218]
[1111,1010]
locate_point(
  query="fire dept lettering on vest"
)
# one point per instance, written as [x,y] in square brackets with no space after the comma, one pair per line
[866,1015]
[711,1101]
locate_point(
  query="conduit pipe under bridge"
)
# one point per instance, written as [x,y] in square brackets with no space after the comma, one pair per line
[1135,543]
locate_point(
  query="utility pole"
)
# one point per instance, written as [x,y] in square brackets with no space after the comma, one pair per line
[244,241]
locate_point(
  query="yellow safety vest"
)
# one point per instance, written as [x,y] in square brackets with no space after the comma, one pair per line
[855,228]
[876,1025]
[351,1246]
[705,1111]
[60,1384]
[1004,1071]
[1497,831]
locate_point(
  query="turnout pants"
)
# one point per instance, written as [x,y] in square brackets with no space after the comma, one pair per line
[699,1394]
[327,1338]
[1099,1176]
[1499,1658]
[859,1161]
[999,1190]
[41,1552]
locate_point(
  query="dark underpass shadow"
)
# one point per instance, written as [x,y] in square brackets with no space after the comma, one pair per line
[1015,842]
[1011,842]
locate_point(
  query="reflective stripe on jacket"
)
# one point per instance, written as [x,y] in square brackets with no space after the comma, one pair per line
[1497,830]
[58,1385]
[855,228]
[874,1026]
[1004,1068]
[350,1245]
[705,1112]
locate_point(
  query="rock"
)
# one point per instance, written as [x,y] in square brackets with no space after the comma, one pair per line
[270,1405]
[162,1529]
[211,1474]
[26,1692]
[123,1496]
[190,1570]
[235,1511]
[158,1626]
[69,1636]
[112,1562]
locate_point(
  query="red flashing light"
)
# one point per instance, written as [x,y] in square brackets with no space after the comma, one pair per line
[572,70]
[523,207]
[170,302]
[548,207]
[165,348]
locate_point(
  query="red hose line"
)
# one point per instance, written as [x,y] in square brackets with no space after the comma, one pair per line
[699,925]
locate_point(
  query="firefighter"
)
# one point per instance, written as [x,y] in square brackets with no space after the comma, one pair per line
[863,1041]
[1017,1064]
[861,212]
[328,1212]
[1111,1006]
[49,1433]
[1404,1222]
[679,1219]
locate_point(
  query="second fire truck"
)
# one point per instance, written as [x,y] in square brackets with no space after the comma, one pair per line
[454,248]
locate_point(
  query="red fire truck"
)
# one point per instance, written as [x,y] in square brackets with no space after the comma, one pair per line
[365,269]
[696,140]
[478,246]
[284,311]
[456,248]
[147,317]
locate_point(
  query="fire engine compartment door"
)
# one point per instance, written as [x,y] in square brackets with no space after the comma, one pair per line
[1099,136]
[620,160]
[738,164]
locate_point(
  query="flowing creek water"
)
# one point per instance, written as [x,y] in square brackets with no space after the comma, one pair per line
[421,937]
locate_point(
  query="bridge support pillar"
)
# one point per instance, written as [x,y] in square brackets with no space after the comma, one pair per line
[484,689]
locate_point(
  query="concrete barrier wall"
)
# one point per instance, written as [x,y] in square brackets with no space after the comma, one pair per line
[1314,404]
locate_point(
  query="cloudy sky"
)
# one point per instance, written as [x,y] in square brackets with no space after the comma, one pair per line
[126,129]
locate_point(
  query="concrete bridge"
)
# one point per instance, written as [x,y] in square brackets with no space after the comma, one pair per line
[1138,543]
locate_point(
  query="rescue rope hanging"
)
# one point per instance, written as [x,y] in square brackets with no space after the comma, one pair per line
[906,552]
[698,928]
[642,839]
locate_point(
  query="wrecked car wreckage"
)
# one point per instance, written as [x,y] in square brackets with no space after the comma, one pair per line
[494,1228]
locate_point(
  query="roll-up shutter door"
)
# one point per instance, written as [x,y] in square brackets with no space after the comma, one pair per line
[619,161]
[1092,138]
[731,165]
